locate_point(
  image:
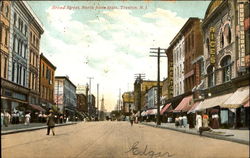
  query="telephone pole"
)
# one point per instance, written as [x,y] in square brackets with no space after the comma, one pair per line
[98,112]
[159,53]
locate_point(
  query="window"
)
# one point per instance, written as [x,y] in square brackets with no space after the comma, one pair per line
[210,73]
[208,49]
[17,77]
[1,6]
[221,39]
[226,68]
[21,26]
[14,19]
[5,66]
[24,75]
[20,75]
[227,32]
[13,70]
[30,37]
[25,51]
[25,30]
[14,43]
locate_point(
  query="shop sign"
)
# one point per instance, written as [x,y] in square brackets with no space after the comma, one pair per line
[212,44]
[171,71]
[241,50]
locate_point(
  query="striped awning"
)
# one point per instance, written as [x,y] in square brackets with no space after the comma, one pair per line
[212,102]
[239,97]
[192,109]
[152,112]
[184,105]
[165,108]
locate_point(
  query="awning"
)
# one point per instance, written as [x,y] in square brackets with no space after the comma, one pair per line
[184,105]
[37,107]
[212,102]
[165,108]
[192,109]
[152,112]
[239,97]
[246,104]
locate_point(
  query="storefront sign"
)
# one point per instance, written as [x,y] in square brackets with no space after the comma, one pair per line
[241,38]
[212,44]
[170,88]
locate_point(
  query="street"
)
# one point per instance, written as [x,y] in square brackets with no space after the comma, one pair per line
[116,140]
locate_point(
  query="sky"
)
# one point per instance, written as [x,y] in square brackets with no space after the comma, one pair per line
[110,40]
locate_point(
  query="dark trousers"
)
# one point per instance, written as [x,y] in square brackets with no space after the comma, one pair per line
[48,130]
[131,121]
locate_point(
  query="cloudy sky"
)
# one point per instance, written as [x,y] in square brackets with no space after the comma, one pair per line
[110,41]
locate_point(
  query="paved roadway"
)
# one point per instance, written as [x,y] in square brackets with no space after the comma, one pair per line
[116,140]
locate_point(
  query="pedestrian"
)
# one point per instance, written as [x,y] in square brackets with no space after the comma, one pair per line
[176,121]
[185,121]
[180,121]
[6,118]
[132,118]
[2,117]
[17,117]
[27,119]
[205,120]
[40,117]
[51,122]
[198,122]
[215,121]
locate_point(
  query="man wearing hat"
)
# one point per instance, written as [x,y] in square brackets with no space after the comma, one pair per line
[51,122]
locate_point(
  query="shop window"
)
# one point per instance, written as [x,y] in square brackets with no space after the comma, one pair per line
[226,68]
[210,74]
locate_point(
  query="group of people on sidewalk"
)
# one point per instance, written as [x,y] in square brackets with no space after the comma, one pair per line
[181,121]
[15,118]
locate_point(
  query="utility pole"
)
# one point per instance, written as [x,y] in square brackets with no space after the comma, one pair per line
[97,103]
[89,96]
[159,53]
[139,79]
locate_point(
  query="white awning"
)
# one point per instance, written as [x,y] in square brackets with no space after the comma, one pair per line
[239,97]
[212,102]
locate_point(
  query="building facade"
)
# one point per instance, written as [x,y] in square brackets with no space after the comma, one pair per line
[82,105]
[46,82]
[178,63]
[35,32]
[128,102]
[15,92]
[225,70]
[65,95]
[193,49]
[5,7]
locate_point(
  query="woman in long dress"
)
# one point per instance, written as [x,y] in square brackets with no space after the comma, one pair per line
[198,122]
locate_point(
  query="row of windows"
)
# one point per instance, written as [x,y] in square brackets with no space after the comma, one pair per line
[20,25]
[46,93]
[47,73]
[34,40]
[5,9]
[178,88]
[4,35]
[20,47]
[189,42]
[33,81]
[33,59]
[19,73]
[226,72]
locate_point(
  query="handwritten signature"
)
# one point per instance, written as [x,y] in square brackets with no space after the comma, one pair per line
[135,151]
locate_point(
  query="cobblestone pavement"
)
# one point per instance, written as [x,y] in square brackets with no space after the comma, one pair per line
[116,140]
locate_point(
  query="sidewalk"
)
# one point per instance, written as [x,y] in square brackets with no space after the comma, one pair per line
[16,128]
[234,135]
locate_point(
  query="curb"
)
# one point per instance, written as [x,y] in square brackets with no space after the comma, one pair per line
[206,134]
[31,129]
